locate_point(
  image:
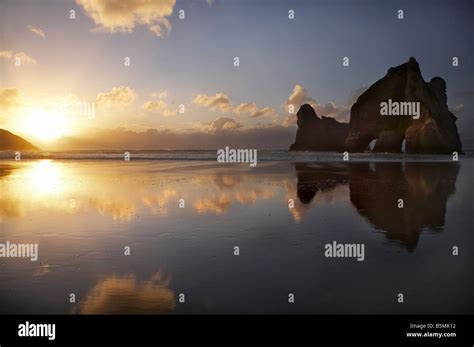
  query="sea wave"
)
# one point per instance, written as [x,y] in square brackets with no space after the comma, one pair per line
[211,155]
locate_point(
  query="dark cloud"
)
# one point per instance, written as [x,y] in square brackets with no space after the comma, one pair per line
[226,132]
[465,93]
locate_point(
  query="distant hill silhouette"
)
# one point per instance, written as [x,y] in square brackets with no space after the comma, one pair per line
[9,141]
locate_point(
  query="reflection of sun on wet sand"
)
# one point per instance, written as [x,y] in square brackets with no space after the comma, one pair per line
[155,188]
[137,204]
[126,295]
[122,196]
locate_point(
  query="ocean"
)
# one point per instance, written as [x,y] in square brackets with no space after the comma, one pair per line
[263,155]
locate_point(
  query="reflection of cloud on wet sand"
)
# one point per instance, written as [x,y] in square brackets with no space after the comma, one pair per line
[251,196]
[220,203]
[122,196]
[127,295]
[215,204]
[158,203]
[118,209]
[226,181]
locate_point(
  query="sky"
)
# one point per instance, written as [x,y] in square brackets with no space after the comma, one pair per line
[181,88]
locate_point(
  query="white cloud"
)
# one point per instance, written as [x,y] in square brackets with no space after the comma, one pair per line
[300,96]
[252,109]
[160,94]
[218,125]
[220,102]
[266,111]
[6,54]
[37,31]
[247,107]
[124,16]
[290,120]
[25,58]
[340,113]
[160,107]
[22,56]
[118,96]
[10,97]
[161,28]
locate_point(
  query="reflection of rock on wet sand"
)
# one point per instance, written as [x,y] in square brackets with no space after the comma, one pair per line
[316,177]
[127,295]
[376,187]
[424,188]
[318,183]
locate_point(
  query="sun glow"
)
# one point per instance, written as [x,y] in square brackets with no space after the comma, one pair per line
[46,124]
[46,178]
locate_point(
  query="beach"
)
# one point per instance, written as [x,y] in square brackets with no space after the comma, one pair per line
[181,220]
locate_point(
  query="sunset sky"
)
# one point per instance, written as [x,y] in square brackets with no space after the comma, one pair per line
[190,61]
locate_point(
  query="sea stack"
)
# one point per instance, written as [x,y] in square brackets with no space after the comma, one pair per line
[318,134]
[433,130]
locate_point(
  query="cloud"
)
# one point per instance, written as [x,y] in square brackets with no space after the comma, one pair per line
[118,96]
[266,111]
[253,110]
[218,134]
[220,102]
[6,54]
[37,31]
[160,94]
[25,58]
[216,204]
[22,56]
[160,107]
[9,97]
[162,28]
[300,96]
[246,107]
[124,16]
[458,109]
[290,120]
[340,113]
[464,93]
[224,123]
[218,125]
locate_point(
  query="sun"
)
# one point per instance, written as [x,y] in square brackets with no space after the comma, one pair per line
[46,124]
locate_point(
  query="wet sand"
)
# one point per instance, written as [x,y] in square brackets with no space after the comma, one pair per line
[82,214]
